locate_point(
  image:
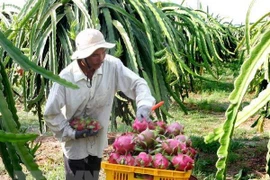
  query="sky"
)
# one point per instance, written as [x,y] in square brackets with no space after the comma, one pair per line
[231,10]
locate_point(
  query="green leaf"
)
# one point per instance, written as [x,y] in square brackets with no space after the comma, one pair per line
[17,56]
[247,73]
[16,137]
[254,106]
[128,44]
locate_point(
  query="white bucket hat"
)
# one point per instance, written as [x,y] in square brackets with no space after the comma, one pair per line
[88,41]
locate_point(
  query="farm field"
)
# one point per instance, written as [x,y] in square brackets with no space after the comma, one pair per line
[206,112]
[212,75]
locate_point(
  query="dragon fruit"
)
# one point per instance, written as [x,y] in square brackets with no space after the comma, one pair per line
[182,162]
[139,126]
[127,159]
[95,125]
[113,157]
[174,129]
[154,145]
[124,143]
[171,146]
[184,139]
[191,152]
[85,123]
[160,162]
[143,159]
[146,138]
[161,127]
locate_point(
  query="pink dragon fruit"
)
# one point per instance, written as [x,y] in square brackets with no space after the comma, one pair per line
[140,126]
[124,144]
[160,162]
[126,160]
[85,123]
[146,138]
[143,159]
[171,146]
[184,139]
[174,129]
[113,157]
[182,162]
[161,127]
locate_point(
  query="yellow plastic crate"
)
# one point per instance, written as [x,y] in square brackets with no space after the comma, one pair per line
[123,172]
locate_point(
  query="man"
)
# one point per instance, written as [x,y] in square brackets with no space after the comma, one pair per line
[99,76]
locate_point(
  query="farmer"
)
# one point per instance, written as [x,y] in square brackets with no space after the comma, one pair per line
[99,76]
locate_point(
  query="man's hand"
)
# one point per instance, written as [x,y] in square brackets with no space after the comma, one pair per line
[85,133]
[143,112]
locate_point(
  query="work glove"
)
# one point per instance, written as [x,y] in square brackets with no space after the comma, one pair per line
[85,133]
[143,112]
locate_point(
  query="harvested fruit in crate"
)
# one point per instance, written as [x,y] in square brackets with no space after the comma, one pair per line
[124,172]
[152,151]
[154,145]
[85,123]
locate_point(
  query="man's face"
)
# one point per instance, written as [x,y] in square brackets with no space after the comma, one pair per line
[97,58]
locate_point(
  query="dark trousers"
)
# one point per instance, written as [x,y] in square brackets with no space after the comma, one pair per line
[82,169]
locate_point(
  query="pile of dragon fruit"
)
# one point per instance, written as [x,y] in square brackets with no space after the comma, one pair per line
[154,145]
[85,123]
